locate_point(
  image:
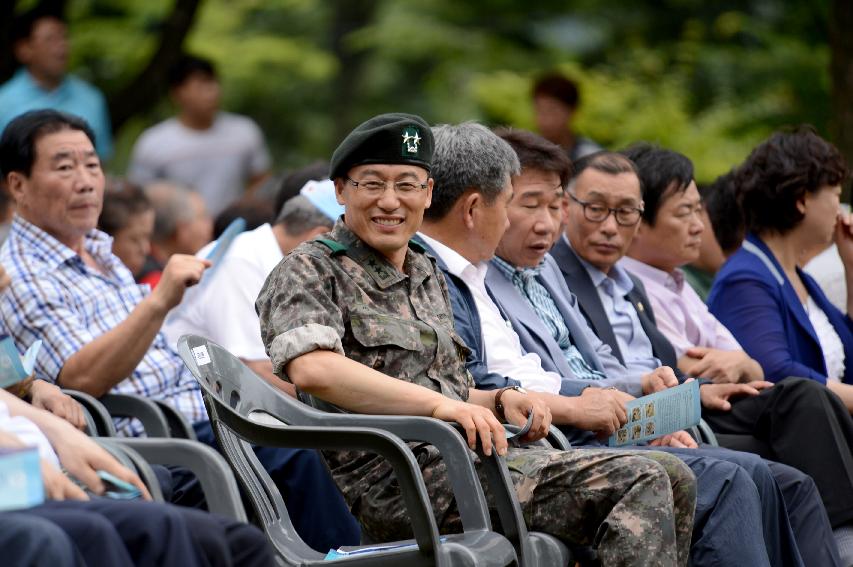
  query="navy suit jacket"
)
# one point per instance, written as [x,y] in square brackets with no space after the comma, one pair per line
[753,297]
[578,280]
[536,338]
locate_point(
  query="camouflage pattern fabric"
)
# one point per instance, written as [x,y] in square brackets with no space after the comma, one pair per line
[341,295]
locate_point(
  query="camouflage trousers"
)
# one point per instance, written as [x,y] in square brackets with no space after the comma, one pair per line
[635,507]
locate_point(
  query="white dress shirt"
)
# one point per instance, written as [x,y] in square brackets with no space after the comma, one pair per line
[504,354]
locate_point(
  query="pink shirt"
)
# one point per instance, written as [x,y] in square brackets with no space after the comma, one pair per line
[680,313]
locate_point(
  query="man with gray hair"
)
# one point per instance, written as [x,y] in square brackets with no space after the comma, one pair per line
[241,275]
[181,225]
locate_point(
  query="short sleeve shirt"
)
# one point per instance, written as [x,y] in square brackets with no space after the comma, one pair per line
[217,162]
[56,298]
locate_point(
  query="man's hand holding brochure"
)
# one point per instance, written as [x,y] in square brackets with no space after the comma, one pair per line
[660,414]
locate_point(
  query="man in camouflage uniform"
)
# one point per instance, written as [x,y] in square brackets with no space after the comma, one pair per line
[359,320]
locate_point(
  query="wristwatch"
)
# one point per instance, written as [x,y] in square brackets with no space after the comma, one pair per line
[499,407]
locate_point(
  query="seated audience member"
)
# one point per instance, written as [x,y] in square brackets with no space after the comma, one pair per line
[788,416]
[359,321]
[789,189]
[128,217]
[555,101]
[239,279]
[221,155]
[293,182]
[181,226]
[723,233]
[115,532]
[534,218]
[668,237]
[100,330]
[616,307]
[253,210]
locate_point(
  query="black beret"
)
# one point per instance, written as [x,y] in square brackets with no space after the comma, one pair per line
[394,138]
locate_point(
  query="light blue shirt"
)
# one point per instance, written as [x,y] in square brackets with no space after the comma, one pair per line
[632,339]
[75,96]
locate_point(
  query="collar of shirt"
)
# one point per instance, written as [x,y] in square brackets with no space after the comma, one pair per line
[25,79]
[377,265]
[622,282]
[517,275]
[52,252]
[473,275]
[673,281]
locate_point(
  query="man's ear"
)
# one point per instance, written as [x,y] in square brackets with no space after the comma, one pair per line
[16,185]
[801,204]
[339,191]
[430,183]
[470,203]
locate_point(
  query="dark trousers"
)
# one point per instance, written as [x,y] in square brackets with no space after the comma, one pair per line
[804,425]
[741,517]
[111,532]
[26,539]
[315,505]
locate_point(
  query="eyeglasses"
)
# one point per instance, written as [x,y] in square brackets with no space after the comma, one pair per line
[375,188]
[597,212]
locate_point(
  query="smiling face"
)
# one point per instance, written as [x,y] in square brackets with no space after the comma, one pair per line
[64,192]
[387,221]
[602,244]
[534,218]
[676,237]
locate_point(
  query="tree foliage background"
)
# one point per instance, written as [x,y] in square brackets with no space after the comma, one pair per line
[710,79]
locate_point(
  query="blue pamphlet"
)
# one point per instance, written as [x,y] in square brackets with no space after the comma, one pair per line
[13,367]
[341,553]
[21,484]
[118,489]
[223,243]
[660,414]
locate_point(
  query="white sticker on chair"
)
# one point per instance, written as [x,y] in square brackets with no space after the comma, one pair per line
[201,355]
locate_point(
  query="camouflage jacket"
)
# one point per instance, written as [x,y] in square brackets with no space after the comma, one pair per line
[336,293]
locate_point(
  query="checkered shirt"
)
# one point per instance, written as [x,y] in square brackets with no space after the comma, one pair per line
[534,293]
[55,297]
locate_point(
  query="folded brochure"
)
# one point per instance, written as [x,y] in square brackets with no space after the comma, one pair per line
[659,414]
[13,367]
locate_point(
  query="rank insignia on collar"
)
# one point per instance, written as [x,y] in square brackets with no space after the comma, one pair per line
[411,139]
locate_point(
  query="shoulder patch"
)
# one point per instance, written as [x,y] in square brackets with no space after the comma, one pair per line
[333,245]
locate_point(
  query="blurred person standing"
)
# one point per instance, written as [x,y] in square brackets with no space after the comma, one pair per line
[220,154]
[555,101]
[41,47]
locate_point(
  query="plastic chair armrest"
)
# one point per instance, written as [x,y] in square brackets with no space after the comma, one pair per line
[146,411]
[214,474]
[101,421]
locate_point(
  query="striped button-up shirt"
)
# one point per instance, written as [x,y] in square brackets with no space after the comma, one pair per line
[56,297]
[540,300]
